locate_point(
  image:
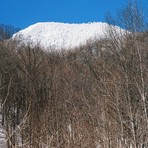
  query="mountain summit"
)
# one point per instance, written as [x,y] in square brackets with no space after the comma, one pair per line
[52,35]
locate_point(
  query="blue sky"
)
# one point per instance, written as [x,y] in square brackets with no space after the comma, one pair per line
[22,13]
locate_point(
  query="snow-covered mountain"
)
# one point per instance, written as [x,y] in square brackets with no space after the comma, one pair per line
[62,35]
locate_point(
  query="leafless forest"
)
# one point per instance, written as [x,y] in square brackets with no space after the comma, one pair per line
[95,96]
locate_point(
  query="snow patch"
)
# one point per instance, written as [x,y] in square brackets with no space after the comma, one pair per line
[57,36]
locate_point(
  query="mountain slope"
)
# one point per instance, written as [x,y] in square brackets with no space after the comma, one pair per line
[62,35]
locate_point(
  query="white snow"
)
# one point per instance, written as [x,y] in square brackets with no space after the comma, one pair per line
[62,35]
[2,132]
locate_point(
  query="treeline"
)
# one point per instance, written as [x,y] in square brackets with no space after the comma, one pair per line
[93,96]
[6,31]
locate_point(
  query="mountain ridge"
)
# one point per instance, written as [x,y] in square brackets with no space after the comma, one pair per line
[58,36]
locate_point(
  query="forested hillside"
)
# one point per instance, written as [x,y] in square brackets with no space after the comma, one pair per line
[94,96]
